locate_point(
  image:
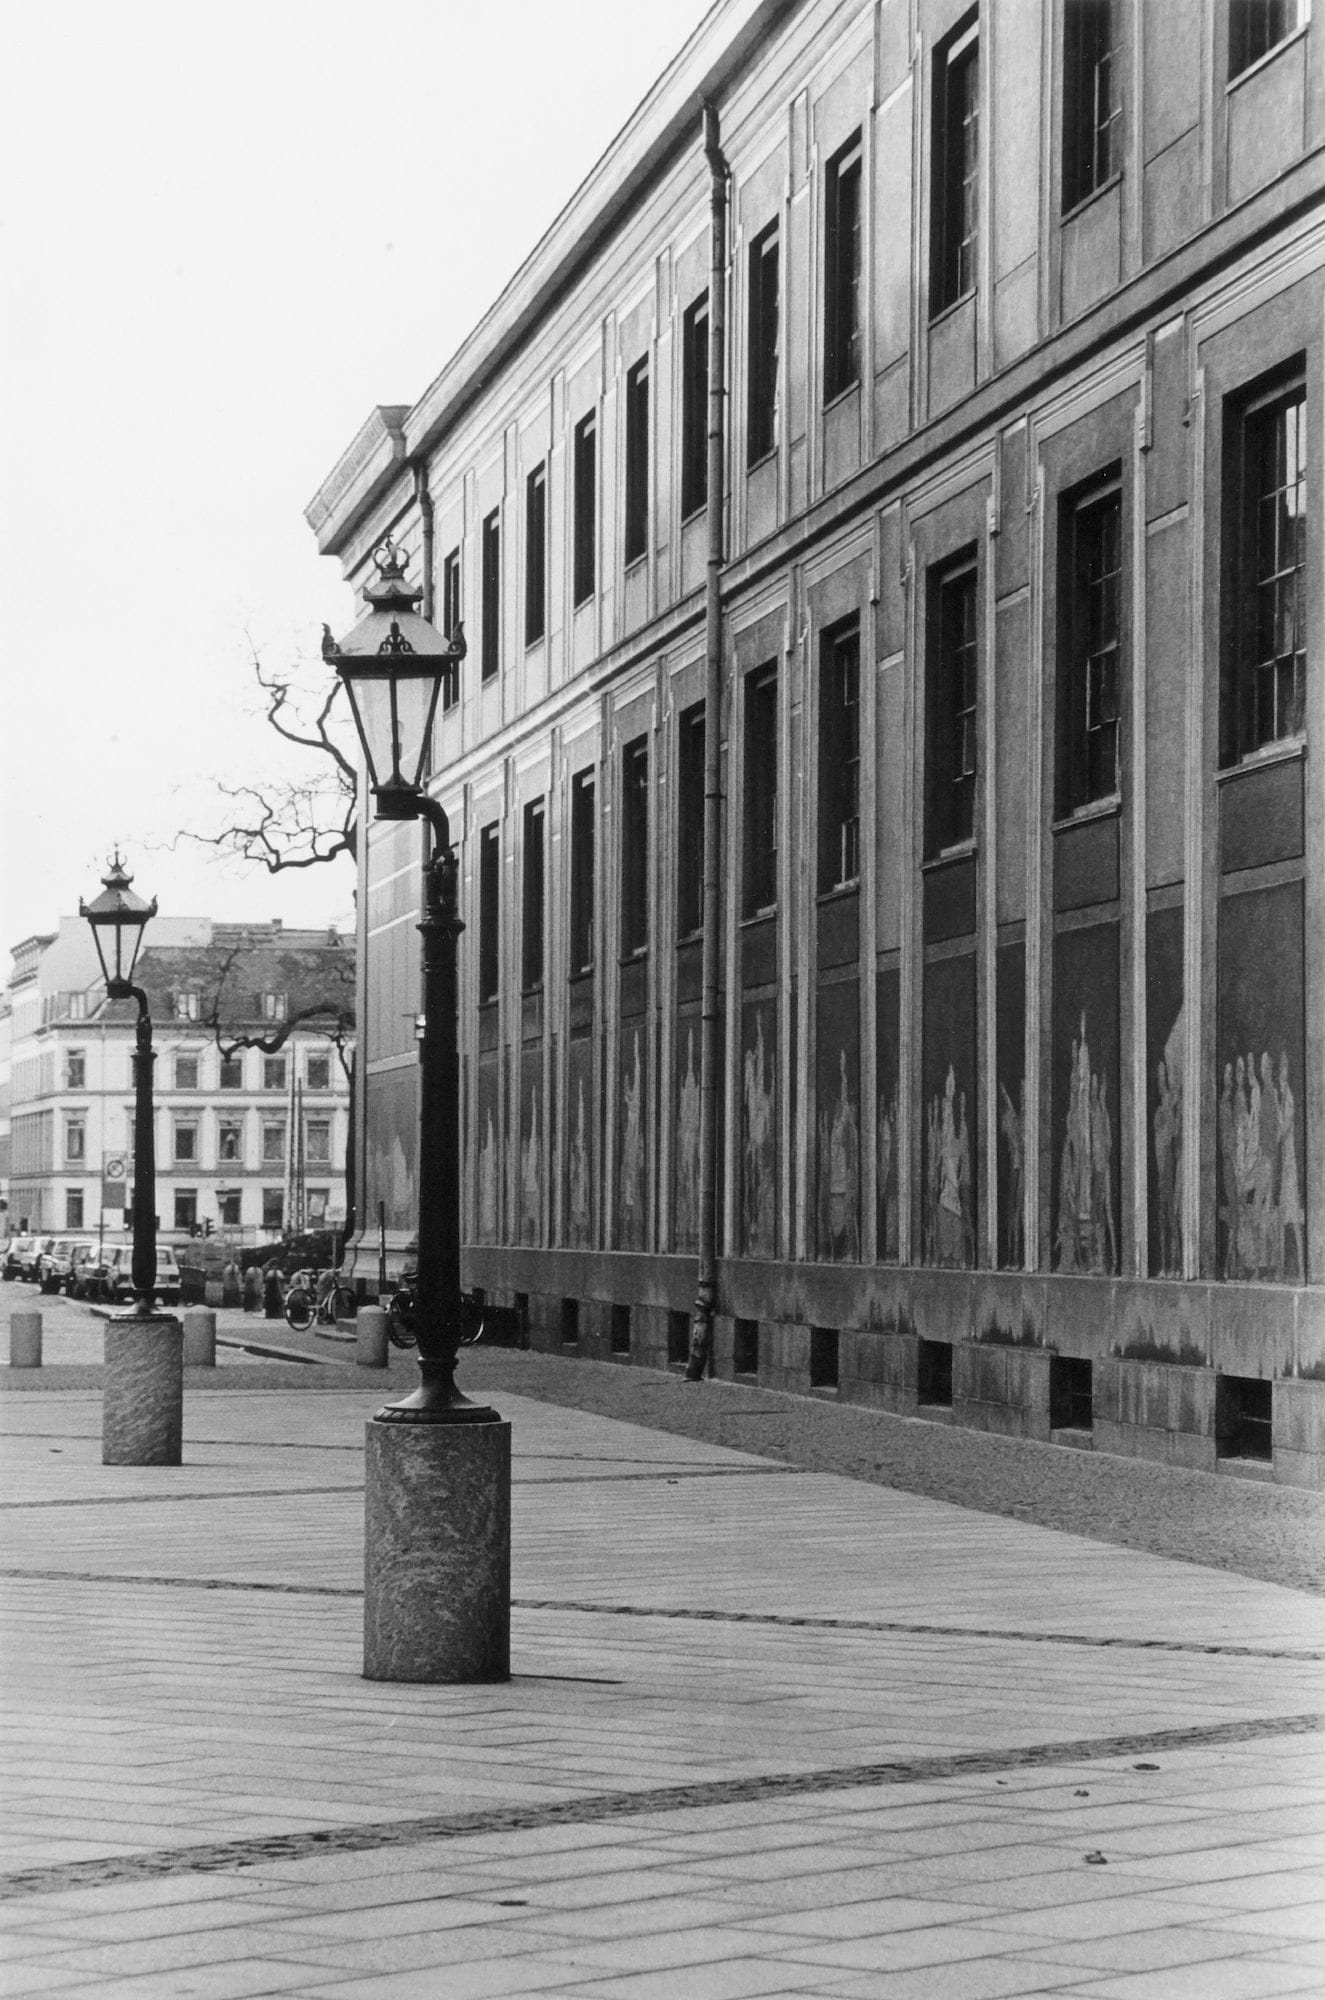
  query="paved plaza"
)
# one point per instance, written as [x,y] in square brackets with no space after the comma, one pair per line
[770,1729]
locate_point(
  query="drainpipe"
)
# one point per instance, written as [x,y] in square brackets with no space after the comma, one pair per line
[706,1294]
[424,499]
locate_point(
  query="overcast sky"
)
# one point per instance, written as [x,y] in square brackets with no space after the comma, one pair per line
[227,233]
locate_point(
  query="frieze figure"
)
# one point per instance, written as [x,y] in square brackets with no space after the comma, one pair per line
[1261,1210]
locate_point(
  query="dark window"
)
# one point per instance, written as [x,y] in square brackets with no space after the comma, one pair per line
[823,1357]
[450,620]
[637,462]
[1254,27]
[761,409]
[228,1207]
[586,505]
[1244,1417]
[678,1339]
[1090,647]
[186,1072]
[842,270]
[759,873]
[745,1347]
[186,1207]
[694,405]
[319,1072]
[635,847]
[75,1069]
[489,912]
[73,1208]
[620,1330]
[491,637]
[273,1072]
[1071,1394]
[531,913]
[1266,672]
[535,555]
[956,165]
[934,1371]
[839,759]
[232,1072]
[583,839]
[1091,109]
[230,1146]
[690,821]
[273,1208]
[952,700]
[570,1322]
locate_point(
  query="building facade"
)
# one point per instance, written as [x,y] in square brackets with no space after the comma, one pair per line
[1021,941]
[250,1141]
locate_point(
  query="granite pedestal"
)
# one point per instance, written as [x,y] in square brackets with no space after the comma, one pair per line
[200,1338]
[437,1552]
[25,1339]
[142,1415]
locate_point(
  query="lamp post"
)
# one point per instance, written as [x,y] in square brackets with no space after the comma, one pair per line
[437,1541]
[118,919]
[143,1398]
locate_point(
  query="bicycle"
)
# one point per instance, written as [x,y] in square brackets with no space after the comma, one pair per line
[303,1306]
[402,1315]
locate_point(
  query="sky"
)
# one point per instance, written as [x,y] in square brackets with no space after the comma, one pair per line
[225,235]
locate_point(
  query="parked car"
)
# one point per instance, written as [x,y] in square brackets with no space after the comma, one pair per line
[21,1256]
[87,1278]
[55,1265]
[119,1273]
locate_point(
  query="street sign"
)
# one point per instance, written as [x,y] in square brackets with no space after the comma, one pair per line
[114,1177]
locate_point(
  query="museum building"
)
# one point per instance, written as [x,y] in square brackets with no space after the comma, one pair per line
[927,400]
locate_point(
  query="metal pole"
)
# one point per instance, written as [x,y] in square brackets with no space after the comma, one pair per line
[144,1177]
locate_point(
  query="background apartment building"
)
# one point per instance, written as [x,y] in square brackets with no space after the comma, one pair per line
[1022,940]
[249,1142]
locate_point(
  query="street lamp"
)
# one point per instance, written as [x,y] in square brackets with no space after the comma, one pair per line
[393,665]
[118,918]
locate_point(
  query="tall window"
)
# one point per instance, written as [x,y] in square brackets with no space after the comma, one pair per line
[761,405]
[273,1208]
[535,555]
[839,759]
[635,846]
[186,1072]
[1255,26]
[956,165]
[690,821]
[186,1208]
[1266,671]
[232,1072]
[694,405]
[842,270]
[583,835]
[317,1072]
[1090,647]
[75,1140]
[273,1072]
[490,638]
[317,1142]
[637,462]
[586,506]
[73,1208]
[450,620]
[1092,112]
[75,1069]
[489,912]
[759,873]
[186,1141]
[229,1207]
[230,1143]
[273,1142]
[953,660]
[533,897]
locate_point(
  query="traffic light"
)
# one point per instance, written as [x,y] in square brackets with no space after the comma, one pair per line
[207,1227]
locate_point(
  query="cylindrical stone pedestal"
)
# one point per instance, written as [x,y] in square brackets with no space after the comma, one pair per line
[199,1338]
[25,1340]
[437,1552]
[142,1410]
[370,1337]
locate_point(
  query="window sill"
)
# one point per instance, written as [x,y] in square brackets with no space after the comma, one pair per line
[838,891]
[1288,750]
[538,639]
[695,513]
[961,850]
[630,564]
[1110,808]
[696,936]
[840,395]
[1262,62]
[753,465]
[635,957]
[943,312]
[759,916]
[581,603]
[1096,194]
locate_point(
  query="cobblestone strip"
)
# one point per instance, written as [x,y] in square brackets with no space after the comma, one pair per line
[219,1856]
[586,1607]
[155,1499]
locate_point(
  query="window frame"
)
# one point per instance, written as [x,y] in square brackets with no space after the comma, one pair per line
[181,1062]
[533,896]
[635,529]
[232,1062]
[1091,137]
[490,618]
[581,931]
[489,912]
[634,853]
[228,1130]
[690,770]
[451,619]
[1097,504]
[950,828]
[1268,396]
[584,509]
[184,1147]
[324,1063]
[954,182]
[1250,31]
[839,731]
[763,334]
[694,405]
[759,797]
[269,1065]
[274,1129]
[535,555]
[843,268]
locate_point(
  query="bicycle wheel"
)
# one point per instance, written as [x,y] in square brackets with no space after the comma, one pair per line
[400,1320]
[298,1310]
[341,1304]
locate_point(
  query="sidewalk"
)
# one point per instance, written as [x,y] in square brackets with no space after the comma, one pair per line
[769,1731]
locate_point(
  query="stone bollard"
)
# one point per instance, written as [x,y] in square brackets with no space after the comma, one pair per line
[142,1410]
[199,1338]
[437,1552]
[25,1339]
[370,1343]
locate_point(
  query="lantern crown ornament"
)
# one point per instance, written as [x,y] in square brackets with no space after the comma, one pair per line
[393,665]
[118,918]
